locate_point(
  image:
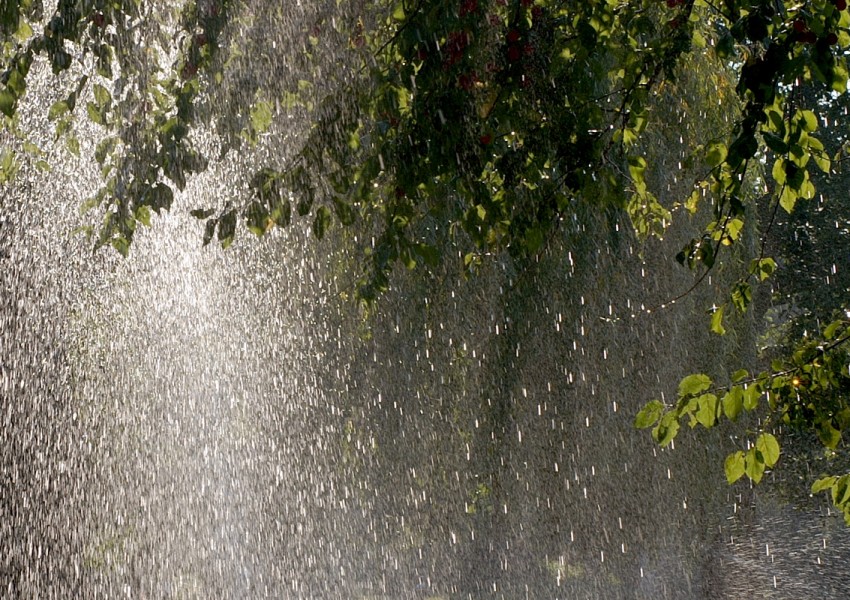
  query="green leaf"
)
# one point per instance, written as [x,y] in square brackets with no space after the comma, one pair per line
[775,142]
[827,434]
[717,322]
[763,268]
[256,218]
[649,414]
[143,215]
[809,120]
[321,222]
[122,244]
[666,430]
[101,96]
[202,213]
[261,116]
[430,254]
[95,113]
[788,199]
[73,145]
[734,467]
[160,197]
[769,448]
[227,228]
[733,403]
[209,230]
[823,484]
[57,110]
[7,103]
[398,12]
[104,148]
[754,465]
[739,375]
[694,384]
[841,491]
[831,329]
[707,413]
[751,394]
[344,212]
[715,153]
[8,166]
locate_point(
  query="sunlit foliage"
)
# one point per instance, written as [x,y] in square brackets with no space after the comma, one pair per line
[458,131]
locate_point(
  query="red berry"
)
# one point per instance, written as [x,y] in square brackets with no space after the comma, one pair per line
[800,26]
[514,53]
[809,37]
[467,81]
[673,3]
[537,12]
[98,19]
[468,7]
[513,35]
[832,38]
[526,3]
[486,139]
[841,4]
[189,70]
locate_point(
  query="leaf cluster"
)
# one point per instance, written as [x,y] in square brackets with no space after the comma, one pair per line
[808,391]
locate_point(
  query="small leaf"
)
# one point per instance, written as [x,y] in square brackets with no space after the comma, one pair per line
[160,197]
[808,120]
[344,212]
[429,253]
[256,218]
[321,222]
[666,430]
[739,375]
[649,414]
[827,434]
[764,268]
[122,244]
[57,110]
[7,103]
[261,116]
[788,199]
[94,113]
[831,329]
[715,153]
[209,230]
[101,96]
[754,465]
[227,228]
[769,448]
[143,215]
[694,384]
[202,213]
[733,403]
[734,467]
[775,143]
[823,484]
[73,145]
[105,148]
[717,322]
[752,393]
[707,413]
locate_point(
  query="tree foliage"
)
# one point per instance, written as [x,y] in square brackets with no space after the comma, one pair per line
[459,130]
